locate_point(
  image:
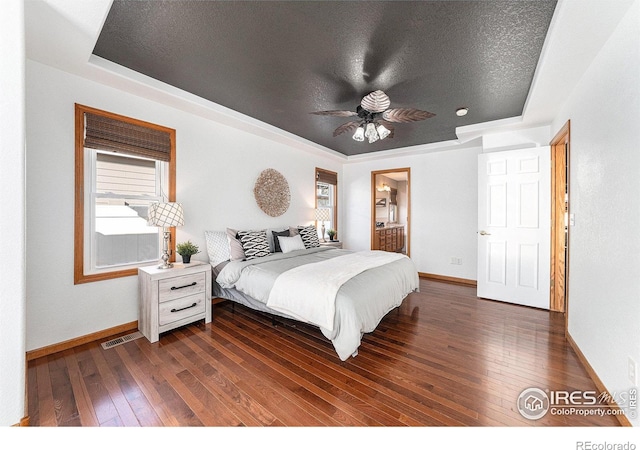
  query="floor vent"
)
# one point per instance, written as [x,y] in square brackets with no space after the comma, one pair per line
[121,340]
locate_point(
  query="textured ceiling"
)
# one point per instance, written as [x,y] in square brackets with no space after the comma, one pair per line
[277,61]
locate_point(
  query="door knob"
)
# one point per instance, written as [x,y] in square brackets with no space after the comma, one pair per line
[484,233]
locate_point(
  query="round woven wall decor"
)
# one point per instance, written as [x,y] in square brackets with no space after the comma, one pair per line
[272,192]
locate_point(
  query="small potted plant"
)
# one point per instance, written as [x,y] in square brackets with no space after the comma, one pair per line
[331,234]
[186,249]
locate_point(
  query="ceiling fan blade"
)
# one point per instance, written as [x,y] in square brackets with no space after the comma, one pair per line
[403,115]
[375,102]
[349,126]
[335,113]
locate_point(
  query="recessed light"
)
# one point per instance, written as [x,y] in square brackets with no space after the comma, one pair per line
[462,112]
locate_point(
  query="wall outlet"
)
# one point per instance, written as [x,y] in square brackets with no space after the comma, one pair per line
[455,260]
[633,372]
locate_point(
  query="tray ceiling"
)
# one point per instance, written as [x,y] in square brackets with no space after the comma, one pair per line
[278,61]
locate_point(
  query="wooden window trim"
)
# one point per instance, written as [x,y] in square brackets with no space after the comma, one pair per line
[333,175]
[79,276]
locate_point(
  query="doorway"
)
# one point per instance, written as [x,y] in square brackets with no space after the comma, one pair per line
[391,210]
[560,220]
[514,216]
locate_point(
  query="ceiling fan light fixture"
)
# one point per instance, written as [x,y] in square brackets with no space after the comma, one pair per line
[462,111]
[371,133]
[359,134]
[382,131]
[372,112]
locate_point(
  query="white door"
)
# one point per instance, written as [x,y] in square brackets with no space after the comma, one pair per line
[514,226]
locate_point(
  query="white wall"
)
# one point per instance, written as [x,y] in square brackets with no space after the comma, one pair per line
[444,210]
[217,166]
[604,264]
[12,212]
[216,170]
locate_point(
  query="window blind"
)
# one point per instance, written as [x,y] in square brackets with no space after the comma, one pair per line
[106,133]
[325,176]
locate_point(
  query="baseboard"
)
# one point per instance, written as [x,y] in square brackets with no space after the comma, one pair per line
[597,381]
[51,349]
[447,279]
[109,332]
[24,422]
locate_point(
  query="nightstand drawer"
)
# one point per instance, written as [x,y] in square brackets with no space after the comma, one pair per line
[181,286]
[181,308]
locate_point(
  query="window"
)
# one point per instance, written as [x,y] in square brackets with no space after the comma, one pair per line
[122,166]
[327,197]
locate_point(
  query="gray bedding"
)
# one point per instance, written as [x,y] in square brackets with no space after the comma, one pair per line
[360,303]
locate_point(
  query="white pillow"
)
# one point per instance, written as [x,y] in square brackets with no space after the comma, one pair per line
[288,244]
[217,247]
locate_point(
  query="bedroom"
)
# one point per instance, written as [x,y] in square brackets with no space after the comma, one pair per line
[213,196]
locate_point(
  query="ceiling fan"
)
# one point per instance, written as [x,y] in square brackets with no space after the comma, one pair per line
[375,118]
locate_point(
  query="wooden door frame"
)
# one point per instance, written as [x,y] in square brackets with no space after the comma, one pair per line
[560,149]
[375,173]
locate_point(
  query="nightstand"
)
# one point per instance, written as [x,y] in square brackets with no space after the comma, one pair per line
[336,244]
[170,298]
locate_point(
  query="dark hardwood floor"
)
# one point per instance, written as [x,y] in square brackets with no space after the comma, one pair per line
[444,358]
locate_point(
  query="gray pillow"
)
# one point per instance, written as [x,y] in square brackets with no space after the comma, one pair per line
[276,242]
[235,247]
[270,236]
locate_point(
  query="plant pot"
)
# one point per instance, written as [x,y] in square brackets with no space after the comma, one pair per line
[186,259]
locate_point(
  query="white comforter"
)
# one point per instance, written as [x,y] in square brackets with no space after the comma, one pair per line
[361,300]
[318,284]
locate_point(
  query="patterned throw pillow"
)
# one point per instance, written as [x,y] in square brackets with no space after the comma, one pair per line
[309,236]
[254,243]
[217,247]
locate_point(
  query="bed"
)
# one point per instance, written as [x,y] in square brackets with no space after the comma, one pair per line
[342,292]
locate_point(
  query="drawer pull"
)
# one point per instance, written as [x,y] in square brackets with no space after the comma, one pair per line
[186,307]
[173,288]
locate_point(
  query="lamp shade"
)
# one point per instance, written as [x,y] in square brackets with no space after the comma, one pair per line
[322,214]
[165,215]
